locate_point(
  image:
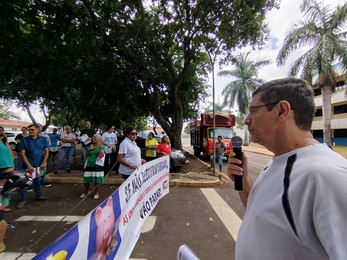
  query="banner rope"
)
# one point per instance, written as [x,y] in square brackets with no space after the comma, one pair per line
[30,248]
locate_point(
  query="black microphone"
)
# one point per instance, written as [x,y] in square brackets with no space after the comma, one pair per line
[236,142]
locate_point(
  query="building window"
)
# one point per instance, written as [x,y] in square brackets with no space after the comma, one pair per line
[340,133]
[317,133]
[317,92]
[340,83]
[340,109]
[319,112]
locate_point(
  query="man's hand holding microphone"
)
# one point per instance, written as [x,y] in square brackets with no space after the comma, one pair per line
[238,169]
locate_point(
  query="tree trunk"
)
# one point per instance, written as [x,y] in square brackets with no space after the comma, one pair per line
[246,136]
[326,107]
[173,129]
[32,118]
[173,132]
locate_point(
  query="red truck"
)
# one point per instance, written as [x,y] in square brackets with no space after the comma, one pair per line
[201,132]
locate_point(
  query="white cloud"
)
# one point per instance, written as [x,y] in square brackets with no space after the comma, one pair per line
[279,21]
[35,110]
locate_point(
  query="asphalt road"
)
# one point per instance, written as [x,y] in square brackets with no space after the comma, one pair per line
[205,219]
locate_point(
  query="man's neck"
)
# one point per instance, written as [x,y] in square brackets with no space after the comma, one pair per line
[303,140]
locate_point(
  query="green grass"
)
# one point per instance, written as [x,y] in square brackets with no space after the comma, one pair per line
[339,149]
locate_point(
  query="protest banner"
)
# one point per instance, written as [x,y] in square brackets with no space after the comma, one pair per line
[112,229]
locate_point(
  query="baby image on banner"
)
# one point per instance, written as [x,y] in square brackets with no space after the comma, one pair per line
[112,229]
[93,237]
[105,242]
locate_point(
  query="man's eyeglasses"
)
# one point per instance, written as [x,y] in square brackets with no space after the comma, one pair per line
[252,109]
[30,130]
[133,133]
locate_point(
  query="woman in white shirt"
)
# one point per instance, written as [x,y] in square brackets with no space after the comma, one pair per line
[109,140]
[129,154]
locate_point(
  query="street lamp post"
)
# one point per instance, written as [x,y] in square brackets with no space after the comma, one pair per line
[214,122]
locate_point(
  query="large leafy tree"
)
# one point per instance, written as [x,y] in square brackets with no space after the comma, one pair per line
[121,59]
[244,80]
[166,42]
[51,56]
[324,32]
[5,110]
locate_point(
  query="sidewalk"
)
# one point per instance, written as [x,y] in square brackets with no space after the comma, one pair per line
[191,179]
[259,150]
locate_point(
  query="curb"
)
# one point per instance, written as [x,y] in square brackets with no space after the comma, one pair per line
[55,178]
[190,179]
[200,184]
[182,181]
[223,175]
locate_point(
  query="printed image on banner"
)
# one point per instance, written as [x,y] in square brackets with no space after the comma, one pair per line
[93,237]
[112,229]
[138,197]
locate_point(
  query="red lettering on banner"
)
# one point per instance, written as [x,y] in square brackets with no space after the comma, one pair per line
[128,215]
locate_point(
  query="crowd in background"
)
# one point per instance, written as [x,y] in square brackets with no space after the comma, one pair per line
[35,151]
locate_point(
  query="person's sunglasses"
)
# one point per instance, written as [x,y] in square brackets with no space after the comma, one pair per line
[133,133]
[30,130]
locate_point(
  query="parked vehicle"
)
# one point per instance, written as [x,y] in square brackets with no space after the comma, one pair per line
[201,133]
[11,139]
[177,159]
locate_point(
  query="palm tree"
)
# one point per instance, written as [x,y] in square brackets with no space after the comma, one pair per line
[238,91]
[218,107]
[324,31]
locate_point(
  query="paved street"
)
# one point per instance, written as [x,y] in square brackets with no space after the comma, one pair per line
[206,219]
[185,215]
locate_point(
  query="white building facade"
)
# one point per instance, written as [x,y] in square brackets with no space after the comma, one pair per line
[339,111]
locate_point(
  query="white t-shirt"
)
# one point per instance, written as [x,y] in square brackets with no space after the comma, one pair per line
[69,137]
[317,196]
[109,138]
[132,154]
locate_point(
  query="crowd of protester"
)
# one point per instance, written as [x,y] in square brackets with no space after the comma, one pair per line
[36,151]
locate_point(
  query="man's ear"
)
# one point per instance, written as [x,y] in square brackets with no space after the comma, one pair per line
[284,108]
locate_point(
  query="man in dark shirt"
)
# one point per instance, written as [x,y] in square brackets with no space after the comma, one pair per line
[86,132]
[19,162]
[3,137]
